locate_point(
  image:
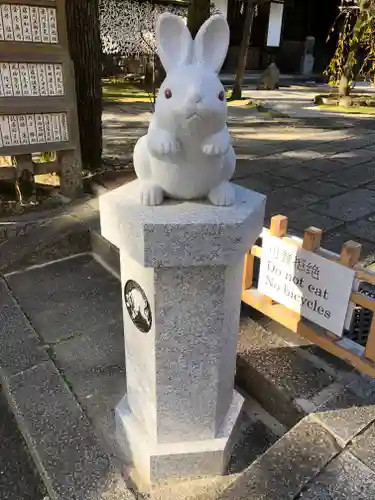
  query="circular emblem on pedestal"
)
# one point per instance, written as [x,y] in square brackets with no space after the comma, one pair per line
[137,306]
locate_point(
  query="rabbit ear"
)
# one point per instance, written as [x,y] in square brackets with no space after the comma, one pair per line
[211,43]
[173,41]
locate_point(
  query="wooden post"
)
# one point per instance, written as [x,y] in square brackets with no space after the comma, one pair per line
[370,345]
[312,239]
[247,279]
[350,253]
[279,226]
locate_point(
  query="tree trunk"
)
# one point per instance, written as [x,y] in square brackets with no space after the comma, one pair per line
[351,68]
[85,51]
[242,56]
[198,13]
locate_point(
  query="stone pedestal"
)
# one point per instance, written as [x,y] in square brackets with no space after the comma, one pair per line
[181,276]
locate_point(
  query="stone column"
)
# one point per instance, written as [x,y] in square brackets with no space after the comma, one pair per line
[307,62]
[181,277]
[70,168]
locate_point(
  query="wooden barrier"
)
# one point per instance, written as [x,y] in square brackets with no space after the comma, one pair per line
[37,91]
[361,358]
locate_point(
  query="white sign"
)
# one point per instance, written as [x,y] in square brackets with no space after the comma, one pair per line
[306,283]
[275,24]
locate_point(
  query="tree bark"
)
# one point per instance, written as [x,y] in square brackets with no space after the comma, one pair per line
[242,56]
[85,50]
[350,71]
[198,13]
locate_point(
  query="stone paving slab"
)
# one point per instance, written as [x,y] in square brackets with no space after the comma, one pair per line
[299,173]
[320,187]
[363,229]
[345,415]
[353,177]
[282,472]
[352,158]
[18,477]
[59,237]
[293,197]
[333,241]
[302,218]
[345,478]
[61,306]
[61,439]
[348,206]
[20,348]
[363,447]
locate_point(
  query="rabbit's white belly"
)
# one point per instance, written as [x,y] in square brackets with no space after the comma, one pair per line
[188,179]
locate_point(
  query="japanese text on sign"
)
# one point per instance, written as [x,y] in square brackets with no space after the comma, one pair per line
[306,283]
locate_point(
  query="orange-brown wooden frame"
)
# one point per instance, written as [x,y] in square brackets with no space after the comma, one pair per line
[349,257]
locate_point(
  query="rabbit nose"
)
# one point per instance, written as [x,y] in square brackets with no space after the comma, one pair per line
[196,97]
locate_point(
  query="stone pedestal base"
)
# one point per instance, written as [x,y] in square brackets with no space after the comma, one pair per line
[181,281]
[155,461]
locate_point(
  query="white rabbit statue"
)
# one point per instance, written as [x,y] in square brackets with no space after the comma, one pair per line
[187,152]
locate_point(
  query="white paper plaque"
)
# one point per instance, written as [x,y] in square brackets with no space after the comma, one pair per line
[34,80]
[16,79]
[42,78]
[54,38]
[31,129]
[6,78]
[40,128]
[22,127]
[14,131]
[51,83]
[25,79]
[306,283]
[48,127]
[26,23]
[64,127]
[59,79]
[56,133]
[7,22]
[16,22]
[1,86]
[43,16]
[5,130]
[35,25]
[1,27]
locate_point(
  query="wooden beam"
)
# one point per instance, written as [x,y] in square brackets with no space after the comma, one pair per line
[290,320]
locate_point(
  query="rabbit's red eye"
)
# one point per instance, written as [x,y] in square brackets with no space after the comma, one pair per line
[168,93]
[221,95]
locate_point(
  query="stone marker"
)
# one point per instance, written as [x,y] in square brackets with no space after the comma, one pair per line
[308,59]
[181,269]
[270,78]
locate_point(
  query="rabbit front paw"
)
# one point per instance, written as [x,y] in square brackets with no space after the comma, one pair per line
[151,194]
[216,145]
[162,143]
[223,195]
